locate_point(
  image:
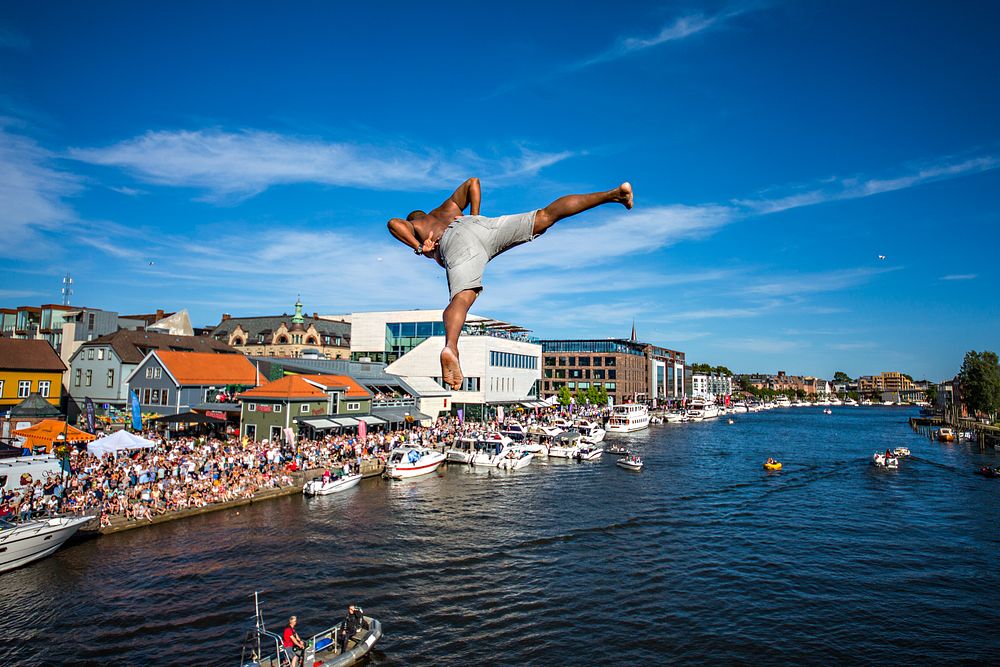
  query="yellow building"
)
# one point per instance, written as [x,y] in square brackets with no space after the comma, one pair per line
[27,367]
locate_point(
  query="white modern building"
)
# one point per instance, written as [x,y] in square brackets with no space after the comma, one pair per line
[711,386]
[501,365]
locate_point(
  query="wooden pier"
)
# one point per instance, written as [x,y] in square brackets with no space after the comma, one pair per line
[984,434]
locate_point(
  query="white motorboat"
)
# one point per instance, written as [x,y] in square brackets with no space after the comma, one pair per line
[783,402]
[490,450]
[515,431]
[565,445]
[317,486]
[675,417]
[515,459]
[739,407]
[618,450]
[632,462]
[405,462]
[561,424]
[591,433]
[22,543]
[461,450]
[589,452]
[542,431]
[699,410]
[881,460]
[628,417]
[901,451]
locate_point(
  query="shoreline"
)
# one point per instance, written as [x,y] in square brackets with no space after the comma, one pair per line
[92,529]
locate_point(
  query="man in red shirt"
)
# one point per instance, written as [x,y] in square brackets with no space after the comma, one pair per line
[291,642]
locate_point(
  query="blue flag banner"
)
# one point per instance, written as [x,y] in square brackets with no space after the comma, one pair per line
[88,407]
[461,416]
[136,413]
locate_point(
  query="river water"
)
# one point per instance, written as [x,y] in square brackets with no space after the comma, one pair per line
[701,558]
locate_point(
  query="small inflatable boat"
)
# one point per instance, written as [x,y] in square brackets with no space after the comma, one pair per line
[776,465]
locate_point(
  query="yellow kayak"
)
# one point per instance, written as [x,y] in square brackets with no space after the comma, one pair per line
[772,466]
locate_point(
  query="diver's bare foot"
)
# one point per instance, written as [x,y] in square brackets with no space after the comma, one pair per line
[625,195]
[451,371]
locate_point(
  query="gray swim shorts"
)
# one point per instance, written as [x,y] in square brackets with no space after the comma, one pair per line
[473,240]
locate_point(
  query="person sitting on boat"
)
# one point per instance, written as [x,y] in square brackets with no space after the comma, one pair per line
[353,622]
[326,476]
[291,642]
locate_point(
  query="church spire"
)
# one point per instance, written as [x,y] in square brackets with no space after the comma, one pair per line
[633,338]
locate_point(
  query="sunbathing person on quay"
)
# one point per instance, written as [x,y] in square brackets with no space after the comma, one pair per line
[463,244]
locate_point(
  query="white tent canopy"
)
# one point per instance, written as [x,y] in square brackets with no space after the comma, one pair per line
[117,442]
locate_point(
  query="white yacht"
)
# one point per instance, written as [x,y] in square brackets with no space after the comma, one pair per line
[699,409]
[404,462]
[565,445]
[782,402]
[461,450]
[628,417]
[490,450]
[675,417]
[591,433]
[23,543]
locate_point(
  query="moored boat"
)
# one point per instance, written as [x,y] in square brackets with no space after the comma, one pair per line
[405,462]
[565,445]
[590,432]
[23,543]
[461,450]
[628,417]
[321,486]
[515,459]
[631,462]
[589,452]
[987,471]
[946,434]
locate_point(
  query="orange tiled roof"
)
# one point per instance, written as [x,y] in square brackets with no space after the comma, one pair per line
[354,390]
[194,368]
[290,386]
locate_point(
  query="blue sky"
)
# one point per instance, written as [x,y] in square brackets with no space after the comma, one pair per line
[227,158]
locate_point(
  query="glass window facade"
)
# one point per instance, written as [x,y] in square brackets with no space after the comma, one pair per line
[401,337]
[512,360]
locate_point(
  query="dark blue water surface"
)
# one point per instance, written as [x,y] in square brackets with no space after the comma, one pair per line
[701,558]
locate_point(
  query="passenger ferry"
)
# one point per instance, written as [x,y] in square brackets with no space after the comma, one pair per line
[628,417]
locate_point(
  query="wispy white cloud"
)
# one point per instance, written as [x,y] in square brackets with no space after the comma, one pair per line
[230,166]
[960,276]
[641,230]
[127,191]
[789,284]
[32,190]
[678,29]
[851,347]
[854,188]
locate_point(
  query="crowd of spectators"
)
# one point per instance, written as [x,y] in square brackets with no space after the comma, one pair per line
[192,472]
